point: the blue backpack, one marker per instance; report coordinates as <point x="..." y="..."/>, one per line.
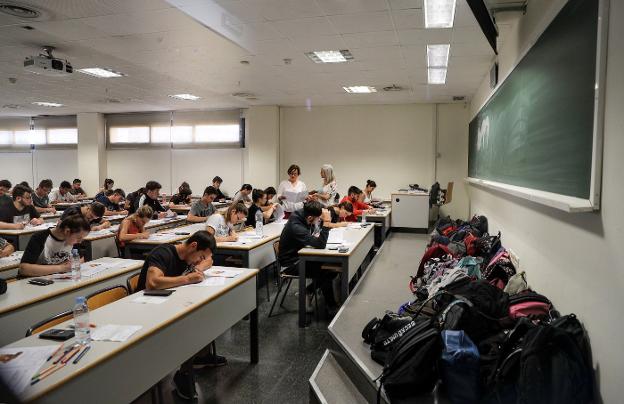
<point x="459" y="367"/>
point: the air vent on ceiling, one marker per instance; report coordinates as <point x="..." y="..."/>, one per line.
<point x="393" y="87"/>
<point x="11" y="106"/>
<point x="243" y="95"/>
<point x="459" y="98"/>
<point x="19" y="11"/>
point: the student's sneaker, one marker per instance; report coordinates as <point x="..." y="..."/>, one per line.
<point x="185" y="385"/>
<point x="209" y="360"/>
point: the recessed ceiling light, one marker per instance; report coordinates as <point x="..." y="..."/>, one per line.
<point x="47" y="104"/>
<point x="188" y="97"/>
<point x="439" y="13"/>
<point x="360" y="89"/>
<point x="101" y="72"/>
<point x="436" y="75"/>
<point x="332" y="56"/>
<point x="437" y="55"/>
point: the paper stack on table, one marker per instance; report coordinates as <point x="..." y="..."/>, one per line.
<point x="336" y="236"/>
<point x="224" y="272"/>
<point x="114" y="332"/>
<point x="210" y="281"/>
<point x="14" y="258"/>
<point x="19" y="365"/>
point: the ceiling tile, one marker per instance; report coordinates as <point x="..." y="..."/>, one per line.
<point x="364" y="22"/>
<point x="425" y="36"/>
<point x="275" y="10"/>
<point x="409" y="19"/>
<point x="305" y="26"/>
<point x="318" y="43"/>
<point x="367" y="39"/>
<point x="405" y="4"/>
<point x="333" y="7"/>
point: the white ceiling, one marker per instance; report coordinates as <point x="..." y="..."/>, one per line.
<point x="164" y="51"/>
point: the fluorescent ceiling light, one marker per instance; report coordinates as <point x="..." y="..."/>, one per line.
<point x="437" y="55"/>
<point x="188" y="97"/>
<point x="360" y="89"/>
<point x="47" y="104"/>
<point x="439" y="13"/>
<point x="436" y="75"/>
<point x="332" y="56"/>
<point x="101" y="72"/>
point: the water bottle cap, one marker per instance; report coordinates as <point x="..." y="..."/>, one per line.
<point x="80" y="299"/>
<point x="74" y="251"/>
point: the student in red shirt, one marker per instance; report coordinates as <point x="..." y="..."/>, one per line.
<point x="355" y="197"/>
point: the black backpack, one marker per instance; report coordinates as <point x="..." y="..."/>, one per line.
<point x="3" y="286"/>
<point x="411" y="366"/>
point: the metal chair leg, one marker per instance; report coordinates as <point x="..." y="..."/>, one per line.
<point x="266" y="273"/>
<point x="286" y="292"/>
<point x="279" y="289"/>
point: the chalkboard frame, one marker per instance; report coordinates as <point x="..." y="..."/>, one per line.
<point x="554" y="200"/>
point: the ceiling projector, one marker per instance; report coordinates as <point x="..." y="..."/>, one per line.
<point x="46" y="64"/>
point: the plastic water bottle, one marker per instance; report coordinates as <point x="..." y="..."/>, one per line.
<point x="363" y="216"/>
<point x="81" y="321"/>
<point x="75" y="265"/>
<point x="259" y="223"/>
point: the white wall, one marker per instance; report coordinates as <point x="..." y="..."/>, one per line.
<point x="391" y="144"/>
<point x="262" y="146"/>
<point x="56" y="164"/>
<point x="91" y="151"/>
<point x="575" y="259"/>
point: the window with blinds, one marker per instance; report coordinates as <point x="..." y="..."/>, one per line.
<point x="24" y="132"/>
<point x="178" y="129"/>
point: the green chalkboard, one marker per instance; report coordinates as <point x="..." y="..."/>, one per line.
<point x="536" y="130"/>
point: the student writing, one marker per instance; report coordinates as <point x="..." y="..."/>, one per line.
<point x="111" y="201"/>
<point x="92" y="213"/>
<point x="41" y="199"/>
<point x="77" y="190"/>
<point x="150" y="198"/>
<point x="221" y="226"/>
<point x="62" y="194"/>
<point x="244" y="194"/>
<point x="203" y="208"/>
<point x="355" y="197"/>
<point x="133" y="226"/>
<point x="20" y="212"/>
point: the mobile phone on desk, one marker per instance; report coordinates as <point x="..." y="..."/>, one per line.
<point x="57" y="334"/>
<point x="158" y="292"/>
<point x="182" y="233"/>
<point x="41" y="282"/>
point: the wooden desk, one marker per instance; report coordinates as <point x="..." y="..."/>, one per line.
<point x="383" y="218"/>
<point x="24" y="304"/>
<point x="50" y="217"/>
<point x="181" y="208"/>
<point x="101" y="243"/>
<point x="255" y="253"/>
<point x="359" y="241"/>
<point x="20" y="238"/>
<point x="167" y="236"/>
<point x="10" y="265"/>
<point x="65" y="205"/>
<point x="114" y="219"/>
<point x="171" y="333"/>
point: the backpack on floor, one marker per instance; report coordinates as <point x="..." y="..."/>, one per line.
<point x="459" y="367"/>
<point x="529" y="304"/>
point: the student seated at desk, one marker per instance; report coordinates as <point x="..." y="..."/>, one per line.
<point x="202" y="209"/>
<point x="5" y="197"/>
<point x="368" y="191"/>
<point x="18" y="213"/>
<point x="259" y="201"/>
<point x="221" y="225"/>
<point x="62" y="194"/>
<point x="216" y="183"/>
<point x="49" y="251"/>
<point x="243" y="195"/>
<point x="25" y="184"/>
<point x="183" y="197"/>
<point x="133" y="226"/>
<point x="111" y="201"/>
<point x="355" y="197"/>
<point x="299" y="233"/>
<point x="77" y="190"/>
<point x="108" y="186"/>
<point x="170" y="266"/>
<point x="41" y="200"/>
<point x="339" y="214"/>
<point x="92" y="213"/>
<point x="6" y="248"/>
<point x="150" y="198"/>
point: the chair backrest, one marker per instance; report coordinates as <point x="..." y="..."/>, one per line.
<point x="132" y="282"/>
<point x="105" y="296"/>
<point x="449" y="193"/>
<point x="50" y="322"/>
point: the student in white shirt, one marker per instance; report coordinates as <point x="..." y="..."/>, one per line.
<point x="221" y="225"/>
<point x="62" y="194"/>
<point x="244" y="195"/>
<point x="293" y="186"/>
<point x="368" y="191"/>
<point x="327" y="193"/>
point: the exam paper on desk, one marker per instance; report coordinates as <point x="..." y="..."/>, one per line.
<point x="224" y="272"/>
<point x="19" y="365"/>
<point x="210" y="281"/>
<point x="150" y="299"/>
<point x="114" y="332"/>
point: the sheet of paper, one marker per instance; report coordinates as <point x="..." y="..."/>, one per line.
<point x="278" y="213"/>
<point x="150" y="299"/>
<point x="114" y="332"/>
<point x="19" y="365"/>
<point x="295" y="197"/>
<point x="336" y="236"/>
<point x="224" y="272"/>
<point x="93" y="268"/>
<point x="354" y="226"/>
<point x="43" y="226"/>
<point x="211" y="281"/>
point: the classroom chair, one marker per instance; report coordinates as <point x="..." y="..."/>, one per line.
<point x="50" y="322"/>
<point x="132" y="283"/>
<point x="284" y="277"/>
<point x="105" y="296"/>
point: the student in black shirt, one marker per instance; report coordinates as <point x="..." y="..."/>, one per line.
<point x="170" y="266"/>
<point x="216" y="182"/>
<point x="183" y="197"/>
<point x="259" y="201"/>
<point x="339" y="213"/>
<point x="49" y="251"/>
<point x="150" y="197"/>
<point x="20" y="211"/>
<point x="92" y="213"/>
<point x="77" y="190"/>
<point x="299" y="233"/>
<point x="111" y="201"/>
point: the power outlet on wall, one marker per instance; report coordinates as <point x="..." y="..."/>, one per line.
<point x="515" y="260"/>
